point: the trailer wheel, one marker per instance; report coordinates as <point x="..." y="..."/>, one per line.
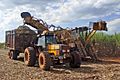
<point x="13" y="54"/>
<point x="29" y="56"/>
<point x="44" y="61"/>
<point x="75" y="61"/>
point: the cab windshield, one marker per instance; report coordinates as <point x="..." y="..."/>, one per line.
<point x="51" y="39"/>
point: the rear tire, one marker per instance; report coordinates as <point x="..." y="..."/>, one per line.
<point x="29" y="56"/>
<point x="13" y="54"/>
<point x="44" y="61"/>
<point x="75" y="61"/>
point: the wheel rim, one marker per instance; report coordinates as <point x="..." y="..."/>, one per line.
<point x="26" y="57"/>
<point x="10" y="54"/>
<point x="41" y="60"/>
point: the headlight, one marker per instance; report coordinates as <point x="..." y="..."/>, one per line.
<point x="68" y="50"/>
<point x="63" y="50"/>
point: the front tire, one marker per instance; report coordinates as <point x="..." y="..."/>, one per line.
<point x="29" y="56"/>
<point x="44" y="61"/>
<point x="75" y="61"/>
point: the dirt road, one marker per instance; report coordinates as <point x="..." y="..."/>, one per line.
<point x="16" y="70"/>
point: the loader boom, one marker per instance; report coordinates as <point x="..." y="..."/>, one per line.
<point x="101" y="25"/>
<point x="35" y="23"/>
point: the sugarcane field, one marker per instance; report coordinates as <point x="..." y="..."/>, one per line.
<point x="60" y="40"/>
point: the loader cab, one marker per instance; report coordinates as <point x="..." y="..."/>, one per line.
<point x="45" y="40"/>
<point x="49" y="43"/>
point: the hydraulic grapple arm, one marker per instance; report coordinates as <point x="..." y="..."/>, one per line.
<point x="35" y="23"/>
<point x="101" y="25"/>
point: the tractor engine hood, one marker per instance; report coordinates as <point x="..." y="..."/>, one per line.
<point x="58" y="46"/>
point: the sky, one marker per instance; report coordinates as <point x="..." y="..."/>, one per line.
<point x="64" y="13"/>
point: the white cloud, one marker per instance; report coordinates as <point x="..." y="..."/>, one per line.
<point x="81" y="9"/>
<point x="57" y="11"/>
<point x="114" y="26"/>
